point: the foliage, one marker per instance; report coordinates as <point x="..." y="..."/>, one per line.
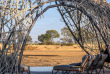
<point x="67" y="44"/>
<point x="67" y="36"/>
<point x="48" y="37"/>
<point x="86" y="34"/>
<point x="53" y="34"/>
<point x="44" y="38"/>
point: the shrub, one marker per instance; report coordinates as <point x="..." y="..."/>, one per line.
<point x="67" y="44"/>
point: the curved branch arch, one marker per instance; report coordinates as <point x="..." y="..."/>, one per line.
<point x="21" y="15"/>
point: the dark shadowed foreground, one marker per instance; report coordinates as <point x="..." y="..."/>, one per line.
<point x="47" y="70"/>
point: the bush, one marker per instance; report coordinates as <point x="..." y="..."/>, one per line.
<point x="67" y="44"/>
<point x="57" y="43"/>
<point x="50" y="43"/>
<point x="47" y="43"/>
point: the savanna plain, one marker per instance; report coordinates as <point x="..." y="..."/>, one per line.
<point x="50" y="55"/>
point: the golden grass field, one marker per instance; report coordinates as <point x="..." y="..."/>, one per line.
<point x="50" y="55"/>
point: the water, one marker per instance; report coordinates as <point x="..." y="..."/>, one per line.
<point x="41" y="69"/>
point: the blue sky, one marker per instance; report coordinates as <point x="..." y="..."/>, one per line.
<point x="108" y="1"/>
<point x="51" y="20"/>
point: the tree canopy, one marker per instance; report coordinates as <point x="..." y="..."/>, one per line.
<point x="53" y="34"/>
<point x="49" y="36"/>
<point x="67" y="36"/>
<point x="44" y="38"/>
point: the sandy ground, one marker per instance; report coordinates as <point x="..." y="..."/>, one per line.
<point x="50" y="55"/>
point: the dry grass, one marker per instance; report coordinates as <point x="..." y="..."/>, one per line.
<point x="50" y="55"/>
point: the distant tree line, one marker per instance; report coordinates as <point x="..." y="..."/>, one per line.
<point x="50" y="35"/>
<point x="66" y="38"/>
